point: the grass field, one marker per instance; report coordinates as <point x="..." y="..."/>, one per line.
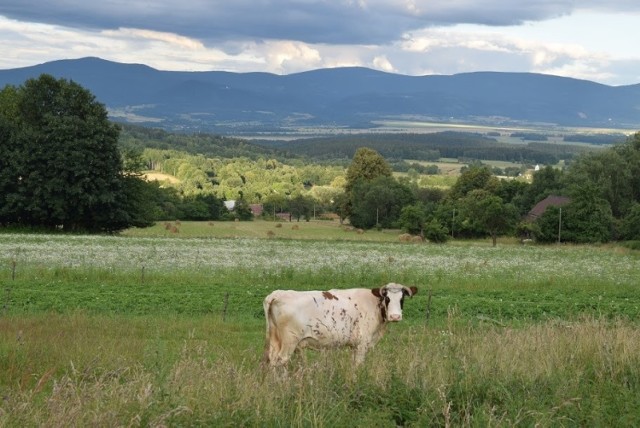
<point x="154" y="328"/>
<point x="314" y="229"/>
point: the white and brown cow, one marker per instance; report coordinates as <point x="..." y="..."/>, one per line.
<point x="328" y="319"/>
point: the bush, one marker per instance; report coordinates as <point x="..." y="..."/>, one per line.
<point x="632" y="245"/>
<point x="435" y="232"/>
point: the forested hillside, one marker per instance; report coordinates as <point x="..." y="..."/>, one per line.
<point x="429" y="147"/>
<point x="195" y="143"/>
<point x="234" y="103"/>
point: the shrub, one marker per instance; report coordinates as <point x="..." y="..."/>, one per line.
<point x="435" y="232"/>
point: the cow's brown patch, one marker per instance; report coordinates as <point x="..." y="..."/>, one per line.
<point x="329" y="296"/>
<point x="383" y="310"/>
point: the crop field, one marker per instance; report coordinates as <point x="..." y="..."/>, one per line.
<point x="153" y="328"/>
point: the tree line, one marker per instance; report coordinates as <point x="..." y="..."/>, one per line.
<point x="603" y="190"/>
<point x="428" y="147"/>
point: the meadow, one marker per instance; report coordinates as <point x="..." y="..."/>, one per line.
<point x="153" y="328"/>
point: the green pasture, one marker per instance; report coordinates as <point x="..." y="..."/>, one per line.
<point x="155" y="328"/>
<point x="281" y="229"/>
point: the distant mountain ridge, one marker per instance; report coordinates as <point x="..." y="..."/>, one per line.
<point x="353" y="97"/>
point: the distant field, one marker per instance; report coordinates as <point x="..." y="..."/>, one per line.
<point x="151" y="176"/>
<point x="446" y="166"/>
<point x="419" y="126"/>
<point x="429" y="126"/>
<point x="313" y="229"/>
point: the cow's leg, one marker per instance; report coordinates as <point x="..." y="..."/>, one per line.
<point x="287" y="348"/>
<point x="359" y="352"/>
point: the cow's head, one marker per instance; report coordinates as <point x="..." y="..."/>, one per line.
<point x="392" y="299"/>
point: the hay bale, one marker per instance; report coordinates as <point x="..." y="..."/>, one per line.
<point x="405" y="237"/>
<point x="295" y="227"/>
<point x="279" y="225"/>
<point x="270" y="234"/>
<point x="359" y="231"/>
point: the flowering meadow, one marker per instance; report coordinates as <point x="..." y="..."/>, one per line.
<point x="505" y="281"/>
<point x="528" y="264"/>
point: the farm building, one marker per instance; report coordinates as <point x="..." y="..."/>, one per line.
<point x="256" y="209"/>
<point x="541" y="207"/>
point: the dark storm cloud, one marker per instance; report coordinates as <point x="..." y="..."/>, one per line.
<point x="311" y="21"/>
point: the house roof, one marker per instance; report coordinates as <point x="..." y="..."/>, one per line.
<point x="541" y="207"/>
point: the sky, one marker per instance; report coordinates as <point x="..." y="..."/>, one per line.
<point x="585" y="39"/>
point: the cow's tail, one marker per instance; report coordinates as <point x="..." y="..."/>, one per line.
<point x="272" y="338"/>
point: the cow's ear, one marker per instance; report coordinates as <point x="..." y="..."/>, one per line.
<point x="409" y="291"/>
<point x="376" y="292"/>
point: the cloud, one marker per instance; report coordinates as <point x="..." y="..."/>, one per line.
<point x="483" y="44"/>
<point x="286" y="36"/>
<point x="308" y="21"/>
<point x="155" y="36"/>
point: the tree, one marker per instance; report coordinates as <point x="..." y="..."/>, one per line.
<point x="378" y="202"/>
<point x="546" y="181"/>
<point x="64" y="167"/>
<point x="587" y="218"/>
<point x="630" y="225"/>
<point x="412" y="219"/>
<point x="610" y="173"/>
<point x="550" y="225"/>
<point x="474" y="178"/>
<point x="486" y="212"/>
<point x="341" y="205"/>
<point x="436" y="232"/>
<point x="367" y="164"/>
<point x="301" y="206"/>
<point x="242" y="210"/>
<point x="363" y="205"/>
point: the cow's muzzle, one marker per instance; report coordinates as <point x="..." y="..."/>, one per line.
<point x="395" y="317"/>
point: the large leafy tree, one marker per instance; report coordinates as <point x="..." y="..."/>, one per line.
<point x="301" y="206"/>
<point x="586" y="219"/>
<point x="367" y="164"/>
<point x="487" y="213"/>
<point x="365" y="201"/>
<point x="60" y="160"/>
<point x="379" y="202"/>
<point x="474" y="178"/>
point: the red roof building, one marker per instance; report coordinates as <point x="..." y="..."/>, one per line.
<point x="541" y="207"/>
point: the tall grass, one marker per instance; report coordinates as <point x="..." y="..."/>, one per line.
<point x="79" y="370"/>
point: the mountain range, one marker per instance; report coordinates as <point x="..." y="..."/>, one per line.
<point x="351" y="97"/>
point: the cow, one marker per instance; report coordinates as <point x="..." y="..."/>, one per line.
<point x="354" y="318"/>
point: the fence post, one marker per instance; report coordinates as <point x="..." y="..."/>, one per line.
<point x="428" y="310"/>
<point x="224" y="309"/>
<point x="5" y="307"/>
